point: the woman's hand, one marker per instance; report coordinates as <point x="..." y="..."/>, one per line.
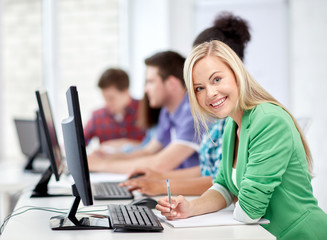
<point x="179" y="208"/>
<point x="146" y="185"/>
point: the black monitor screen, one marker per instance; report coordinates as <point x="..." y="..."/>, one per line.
<point x="75" y="147"/>
<point x="50" y="135"/>
<point x="31" y="144"/>
<point x="27" y="135"/>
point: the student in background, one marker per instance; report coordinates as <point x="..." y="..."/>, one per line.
<point x="119" y="116"/>
<point x="175" y="145"/>
<point x="234" y="31"/>
<point x="147" y="118"/>
<point x="266" y="163"/>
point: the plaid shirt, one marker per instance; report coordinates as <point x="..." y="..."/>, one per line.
<point x="211" y="150"/>
<point x="104" y="126"/>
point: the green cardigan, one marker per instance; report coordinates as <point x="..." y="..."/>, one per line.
<point x="272" y="174"/>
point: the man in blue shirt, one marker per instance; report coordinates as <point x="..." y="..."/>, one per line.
<point x="175" y="145"/>
<point x="177" y="128"/>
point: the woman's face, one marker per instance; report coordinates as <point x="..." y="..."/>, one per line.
<point x="215" y="87"/>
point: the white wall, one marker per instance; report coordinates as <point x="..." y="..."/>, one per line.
<point x="148" y="33"/>
<point x="1" y="87"/>
<point x="181" y="25"/>
<point x="21" y="44"/>
<point x="308" y="65"/>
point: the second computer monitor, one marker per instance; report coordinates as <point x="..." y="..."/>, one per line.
<point x="49" y="139"/>
<point x="50" y="135"/>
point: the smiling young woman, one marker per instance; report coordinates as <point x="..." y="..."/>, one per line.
<point x="266" y="163"/>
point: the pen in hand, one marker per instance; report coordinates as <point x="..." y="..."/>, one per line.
<point x="169" y="194"/>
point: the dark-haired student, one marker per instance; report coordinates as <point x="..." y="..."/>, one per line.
<point x="118" y="118"/>
<point x="147" y="119"/>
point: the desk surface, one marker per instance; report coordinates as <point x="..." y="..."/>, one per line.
<point x="13" y="178"/>
<point x="35" y="223"/>
<point x="12" y="181"/>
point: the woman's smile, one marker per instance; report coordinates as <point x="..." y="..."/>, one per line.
<point x="219" y="103"/>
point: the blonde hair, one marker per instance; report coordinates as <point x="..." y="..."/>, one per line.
<point x="251" y="93"/>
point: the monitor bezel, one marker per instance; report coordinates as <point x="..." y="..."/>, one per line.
<point x="56" y="166"/>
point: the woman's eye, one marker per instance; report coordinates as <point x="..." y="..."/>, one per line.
<point x="198" y="89"/>
<point x="215" y="80"/>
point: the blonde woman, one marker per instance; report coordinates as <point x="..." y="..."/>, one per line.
<point x="266" y="162"/>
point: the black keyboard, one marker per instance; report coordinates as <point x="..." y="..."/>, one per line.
<point x="131" y="217"/>
<point x="110" y="191"/>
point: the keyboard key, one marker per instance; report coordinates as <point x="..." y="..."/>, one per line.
<point x="145" y="218"/>
<point x="126" y="216"/>
<point x="139" y="218"/>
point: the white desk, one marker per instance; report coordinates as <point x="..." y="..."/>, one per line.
<point x="12" y="181"/>
<point x="35" y="225"/>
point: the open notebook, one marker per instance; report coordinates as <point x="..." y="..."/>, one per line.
<point x="220" y="218"/>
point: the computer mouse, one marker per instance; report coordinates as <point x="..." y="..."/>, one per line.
<point x="149" y="202"/>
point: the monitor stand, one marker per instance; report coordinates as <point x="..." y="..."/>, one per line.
<point x="80" y="222"/>
<point x="29" y="166"/>
<point x="41" y="189"/>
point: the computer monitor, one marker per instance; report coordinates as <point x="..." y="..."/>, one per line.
<point x="31" y="145"/>
<point x="48" y="136"/>
<point x="77" y="165"/>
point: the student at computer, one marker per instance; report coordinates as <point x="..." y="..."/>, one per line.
<point x="234" y="31"/>
<point x="175" y="145"/>
<point x="266" y="163"/>
<point x="118" y="119"/>
<point x="147" y="118"/>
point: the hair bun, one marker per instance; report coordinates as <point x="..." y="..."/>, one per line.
<point x="233" y="27"/>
